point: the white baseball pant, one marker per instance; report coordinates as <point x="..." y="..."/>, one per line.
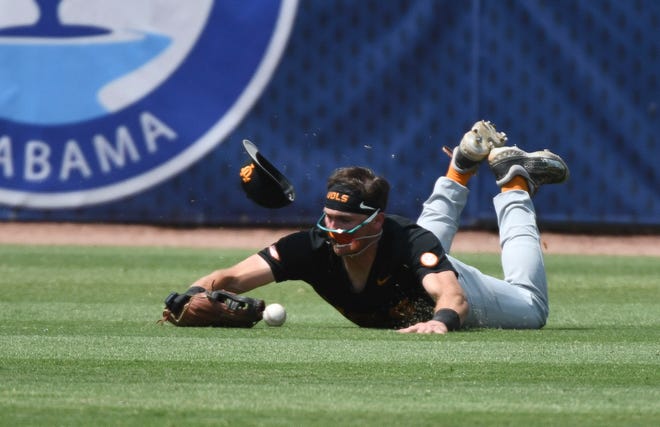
<point x="520" y="301"/>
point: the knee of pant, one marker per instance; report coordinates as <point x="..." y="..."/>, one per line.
<point x="535" y="316"/>
<point x="540" y="320"/>
<point x="540" y="324"/>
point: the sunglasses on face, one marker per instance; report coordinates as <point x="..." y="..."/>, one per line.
<point x="339" y="231"/>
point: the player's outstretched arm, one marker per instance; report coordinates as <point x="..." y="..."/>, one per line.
<point x="248" y="274"/>
<point x="451" y="306"/>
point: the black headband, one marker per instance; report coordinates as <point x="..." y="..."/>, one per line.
<point x="343" y="199"/>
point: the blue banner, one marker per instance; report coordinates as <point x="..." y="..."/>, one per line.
<point x="134" y="111"/>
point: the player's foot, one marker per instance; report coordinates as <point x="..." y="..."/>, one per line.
<point x="475" y="146"/>
<point x="538" y="168"/>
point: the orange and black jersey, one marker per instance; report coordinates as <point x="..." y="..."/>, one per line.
<point x="393" y="296"/>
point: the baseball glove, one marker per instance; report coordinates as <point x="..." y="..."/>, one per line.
<point x="199" y="307"/>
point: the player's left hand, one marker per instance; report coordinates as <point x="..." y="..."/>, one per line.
<point x="430" y="327"/>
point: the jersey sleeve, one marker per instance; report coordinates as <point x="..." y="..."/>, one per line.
<point x="427" y="254"/>
<point x="296" y="253"/>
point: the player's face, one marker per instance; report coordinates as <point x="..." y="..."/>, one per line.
<point x="348" y="231"/>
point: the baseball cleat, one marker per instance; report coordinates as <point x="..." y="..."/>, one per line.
<point x="476" y="145"/>
<point x="538" y="168"/>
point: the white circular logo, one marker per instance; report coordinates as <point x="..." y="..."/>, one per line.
<point x="105" y="99"/>
<point x="429" y="259"/>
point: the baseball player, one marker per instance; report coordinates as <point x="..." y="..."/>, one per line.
<point x="383" y="271"/>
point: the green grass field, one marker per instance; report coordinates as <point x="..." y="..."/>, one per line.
<point x="80" y="346"/>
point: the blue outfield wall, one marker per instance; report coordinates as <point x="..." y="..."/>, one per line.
<point x="386" y="84"/>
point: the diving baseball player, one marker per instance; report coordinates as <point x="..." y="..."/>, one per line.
<point x="383" y="271"/>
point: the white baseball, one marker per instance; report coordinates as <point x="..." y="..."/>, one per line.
<point x="274" y="315"/>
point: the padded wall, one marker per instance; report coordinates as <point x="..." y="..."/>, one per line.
<point x="387" y="83"/>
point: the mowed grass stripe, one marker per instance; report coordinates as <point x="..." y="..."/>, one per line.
<point x="327" y="350"/>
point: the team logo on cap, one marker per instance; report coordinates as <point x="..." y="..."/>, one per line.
<point x="246" y="172"/>
<point x="102" y="99"/>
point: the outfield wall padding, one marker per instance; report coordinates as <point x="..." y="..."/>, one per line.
<point x="387" y="83"/>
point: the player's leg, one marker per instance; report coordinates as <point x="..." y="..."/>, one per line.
<point x="442" y="210"/>
<point x="520" y="174"/>
<point x="521" y="299"/>
<point x="495" y="303"/>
